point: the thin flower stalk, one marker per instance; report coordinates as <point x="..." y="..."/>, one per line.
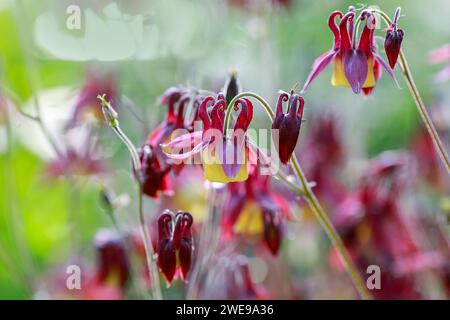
<point x="111" y="117"/>
<point x="314" y="203"/>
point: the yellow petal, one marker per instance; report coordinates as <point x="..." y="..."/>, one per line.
<point x="250" y="221"/>
<point x="338" y="78"/>
<point x="213" y="170"/>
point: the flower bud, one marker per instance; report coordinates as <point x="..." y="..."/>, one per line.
<point x="175" y="244"/>
<point x="392" y="44"/>
<point x="288" y="124"/>
<point x="232" y="87"/>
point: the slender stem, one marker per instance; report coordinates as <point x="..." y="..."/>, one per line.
<point x="331" y="232"/>
<point x="314" y="204"/>
<point x="153" y="270"/>
<point x="418" y="100"/>
<point x="111" y="118"/>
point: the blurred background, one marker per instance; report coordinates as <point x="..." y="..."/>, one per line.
<point x="60" y="54"/>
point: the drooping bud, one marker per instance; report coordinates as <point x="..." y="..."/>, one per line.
<point x="288" y="124"/>
<point x="113" y="266"/>
<point x="154" y="174"/>
<point x="392" y="44"/>
<point x="232" y="87"/>
<point x="175" y="244"/>
<point x="393" y="41"/>
<point x="167" y="258"/>
<point x="272" y="232"/>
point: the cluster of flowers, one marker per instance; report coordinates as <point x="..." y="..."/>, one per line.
<point x="254" y="208"/>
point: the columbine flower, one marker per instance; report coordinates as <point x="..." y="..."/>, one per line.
<point x="355" y="65"/>
<point x="113" y="266"/>
<point x="177" y="100"/>
<point x="78" y="160"/>
<point x="255" y="210"/>
<point x="86" y="105"/>
<point x="224" y="159"/>
<point x="175" y="244"/>
<point x="154" y="174"/>
<point x="374" y="229"/>
<point x="393" y="41"/>
<point x="288" y="124"/>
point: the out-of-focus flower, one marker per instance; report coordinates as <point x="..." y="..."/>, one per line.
<point x="375" y="232"/>
<point x="86" y="105"/>
<point x="254" y="4"/>
<point x="78" y="161"/>
<point x="229" y="278"/>
<point x="154" y="175"/>
<point x="441" y="55"/>
<point x="224" y="159"/>
<point x="322" y="158"/>
<point x="355" y="67"/>
<point x="112" y="262"/>
<point x="255" y="210"/>
<point x="423" y="150"/>
<point x="288" y="124"/>
<point x="175" y="244"/>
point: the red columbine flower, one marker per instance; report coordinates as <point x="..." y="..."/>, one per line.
<point x="82" y="160"/>
<point x="355" y="65"/>
<point x="175" y="244"/>
<point x="393" y="41"/>
<point x="224" y="159"/>
<point x="154" y="175"/>
<point x="255" y="210"/>
<point x="86" y="104"/>
<point x="288" y="124"/>
<point x="113" y="267"/>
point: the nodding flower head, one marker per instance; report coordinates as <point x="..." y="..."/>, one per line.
<point x="177" y="100"/>
<point x="154" y="174"/>
<point x="288" y="124"/>
<point x="355" y="64"/>
<point x="255" y="210"/>
<point x="224" y="158"/>
<point x="113" y="265"/>
<point x="175" y="244"/>
<point x="393" y="41"/>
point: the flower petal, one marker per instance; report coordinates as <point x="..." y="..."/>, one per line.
<point x="318" y="66"/>
<point x="355" y="69"/>
<point x="181" y="156"/>
<point x="185" y="140"/>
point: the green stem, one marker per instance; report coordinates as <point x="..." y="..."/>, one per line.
<point x="111" y="118"/>
<point x="320" y="214"/>
<point x="418" y="101"/>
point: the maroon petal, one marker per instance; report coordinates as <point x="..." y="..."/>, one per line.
<point x="167" y="259"/>
<point x="355" y="69"/>
<point x="272" y="231"/>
